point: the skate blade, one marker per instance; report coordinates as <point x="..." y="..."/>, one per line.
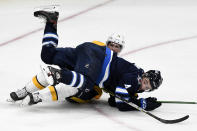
<point x="49" y="8"/>
<point x="9" y="100"/>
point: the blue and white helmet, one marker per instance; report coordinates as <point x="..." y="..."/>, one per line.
<point x="116" y="38"/>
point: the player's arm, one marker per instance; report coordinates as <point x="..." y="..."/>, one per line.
<point x="127" y="90"/>
<point x="123" y="93"/>
<point x="148" y="104"/>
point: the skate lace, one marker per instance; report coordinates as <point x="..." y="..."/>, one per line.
<point x="22" y="92"/>
<point x="36" y="97"/>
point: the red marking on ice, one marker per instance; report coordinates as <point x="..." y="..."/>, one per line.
<point x="124" y="54"/>
<point x="158" y="44"/>
<point x="62" y="20"/>
<point x="116" y="120"/>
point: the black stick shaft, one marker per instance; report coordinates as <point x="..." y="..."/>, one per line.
<point x="148" y="113"/>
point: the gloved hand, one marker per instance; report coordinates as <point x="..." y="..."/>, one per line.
<point x="111" y="101"/>
<point x="149" y="103"/>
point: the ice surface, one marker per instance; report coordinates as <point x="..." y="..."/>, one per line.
<point x="143" y="22"/>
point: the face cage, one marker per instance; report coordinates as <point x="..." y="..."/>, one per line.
<point x="110" y="42"/>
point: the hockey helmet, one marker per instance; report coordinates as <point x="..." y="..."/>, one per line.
<point x="116" y="38"/>
<point x="155" y="78"/>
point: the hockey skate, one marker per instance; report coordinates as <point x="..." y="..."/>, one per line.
<point x="18" y="95"/>
<point x="49" y="16"/>
<point x="31" y="99"/>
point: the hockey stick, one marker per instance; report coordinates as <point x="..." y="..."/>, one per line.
<point x="146" y="112"/>
<point x="178" y="102"/>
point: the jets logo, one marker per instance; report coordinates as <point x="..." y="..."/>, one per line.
<point x="87" y="66"/>
<point x="127" y="86"/>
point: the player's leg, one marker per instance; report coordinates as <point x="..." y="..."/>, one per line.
<point x="50" y="38"/>
<point x="55" y="76"/>
<point x="49" y="94"/>
<point x="38" y="82"/>
<point x="73" y="80"/>
<point x="50" y="54"/>
<point x="49" y="43"/>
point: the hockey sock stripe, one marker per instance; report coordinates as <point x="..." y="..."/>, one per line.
<point x="77" y="80"/>
<point x="81" y="81"/>
<point x="50" y="35"/>
<point x="49" y="42"/>
<point x="53" y="93"/>
<point x="37" y="83"/>
<point x="74" y="79"/>
<point x="50" y="38"/>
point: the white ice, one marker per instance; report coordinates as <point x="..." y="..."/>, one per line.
<point x="143" y="22"/>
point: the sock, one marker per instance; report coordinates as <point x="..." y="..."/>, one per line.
<point x="50" y="35"/>
<point x="72" y="78"/>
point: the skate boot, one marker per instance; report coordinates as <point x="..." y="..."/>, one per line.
<point x="49" y="16"/>
<point x="18" y="95"/>
<point x="31" y="99"/>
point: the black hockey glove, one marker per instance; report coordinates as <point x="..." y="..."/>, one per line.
<point x="124" y="106"/>
<point x="149" y="103"/>
<point x="111" y="101"/>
